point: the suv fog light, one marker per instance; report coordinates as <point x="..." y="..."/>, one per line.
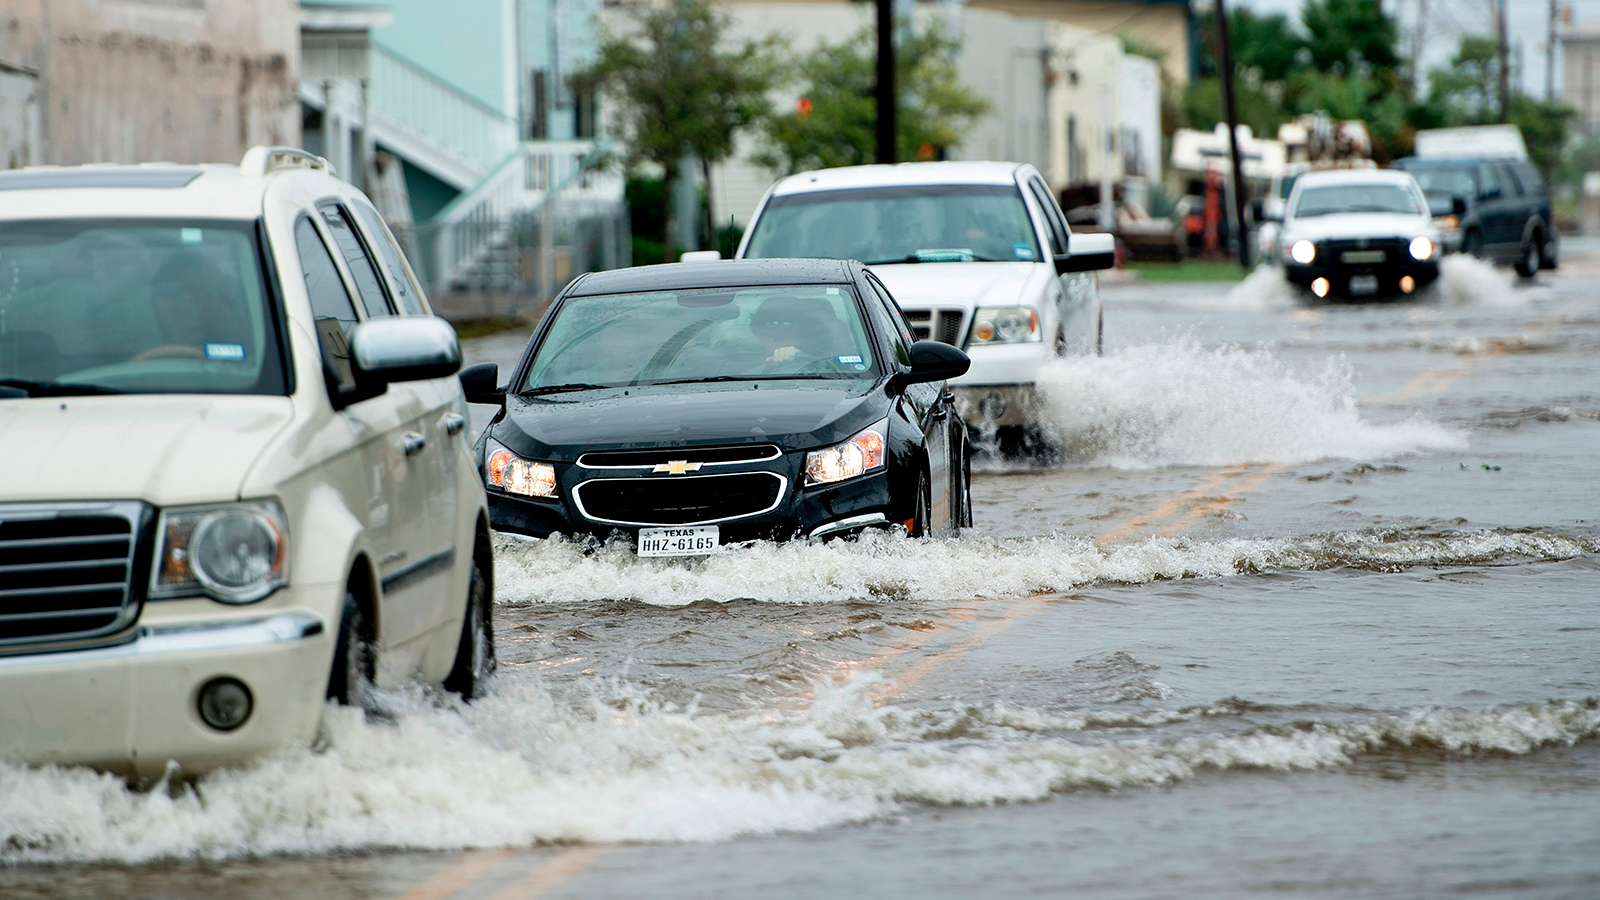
<point x="1320" y="287"/>
<point x="225" y="703"/>
<point x="992" y="406"/>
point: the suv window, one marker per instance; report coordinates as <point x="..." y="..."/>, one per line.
<point x="330" y="305"/>
<point x="1488" y="180"/>
<point x="1529" y="176"/>
<point x="406" y="294"/>
<point x="1508" y="175"/>
<point x="1054" y="224"/>
<point x="136" y="305"/>
<point x="362" y="270"/>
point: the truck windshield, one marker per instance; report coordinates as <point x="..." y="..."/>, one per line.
<point x="713" y="334"/>
<point x="1356" y="198"/>
<point x="135" y="306"/>
<point x="912" y="223"/>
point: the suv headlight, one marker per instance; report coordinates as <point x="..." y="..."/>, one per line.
<point x="514" y="475"/>
<point x="234" y="553"/>
<point x="1447" y="223"/>
<point x="1005" y="325"/>
<point x="861" y="454"/>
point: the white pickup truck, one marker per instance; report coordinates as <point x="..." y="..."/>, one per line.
<point x="977" y="254"/>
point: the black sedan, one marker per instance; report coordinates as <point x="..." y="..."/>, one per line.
<point x="693" y="405"/>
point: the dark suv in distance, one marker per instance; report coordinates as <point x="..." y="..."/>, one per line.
<point x="1495" y="209"/>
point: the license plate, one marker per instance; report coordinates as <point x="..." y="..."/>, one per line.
<point x="1362" y="256"/>
<point x="1363" y="284"/>
<point x="696" y="540"/>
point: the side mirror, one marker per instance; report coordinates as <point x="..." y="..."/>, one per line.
<point x="936" y="361"/>
<point x="480" y="384"/>
<point x="1087" y="253"/>
<point x="1458" y="206"/>
<point x="403" y="348"/>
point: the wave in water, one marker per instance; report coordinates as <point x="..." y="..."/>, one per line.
<point x="889" y="567"/>
<point x="522" y="768"/>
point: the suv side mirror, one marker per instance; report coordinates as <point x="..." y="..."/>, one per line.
<point x="935" y="361"/>
<point x="1087" y="253"/>
<point x="480" y="384"/>
<point x="403" y="348"/>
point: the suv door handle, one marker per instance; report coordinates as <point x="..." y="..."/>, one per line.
<point x="413" y="443"/>
<point x="453" y="424"/>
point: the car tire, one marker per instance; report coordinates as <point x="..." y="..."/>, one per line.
<point x="1527" y="264"/>
<point x="1100" y="335"/>
<point x="1472" y="243"/>
<point x="1549" y="254"/>
<point x="924" y="508"/>
<point x="350" y="679"/>
<point x="475" y="651"/>
<point x="966" y="487"/>
<point x="1061" y="343"/>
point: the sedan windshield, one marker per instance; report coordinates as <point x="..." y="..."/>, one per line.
<point x="1356" y="198"/>
<point x="914" y="223"/>
<point x="721" y="334"/>
<point x="134" y="306"/>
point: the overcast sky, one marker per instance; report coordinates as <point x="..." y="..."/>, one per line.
<point x="1449" y="19"/>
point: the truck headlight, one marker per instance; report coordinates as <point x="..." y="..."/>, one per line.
<point x="1303" y="252"/>
<point x="1421" y="248"/>
<point x="234" y="553"/>
<point x="861" y="454"/>
<point x="515" y="475"/>
<point x="1005" y="325"/>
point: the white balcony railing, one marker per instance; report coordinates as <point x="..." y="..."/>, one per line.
<point x="443" y="128"/>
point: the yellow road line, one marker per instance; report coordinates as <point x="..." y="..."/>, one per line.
<point x="567" y="865"/>
<point x="924" y="667"/>
<point x="452" y="879"/>
<point x="1207" y="505"/>
<point x="1135" y="523"/>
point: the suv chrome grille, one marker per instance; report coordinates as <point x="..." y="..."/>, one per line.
<point x="944" y="325"/>
<point x="68" y="572"/>
<point x="683" y="500"/>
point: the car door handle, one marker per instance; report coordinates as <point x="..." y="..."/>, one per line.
<point x="413" y="443"/>
<point x="453" y="424"/>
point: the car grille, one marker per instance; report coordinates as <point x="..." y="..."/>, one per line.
<point x="689" y="500"/>
<point x="69" y="572"/>
<point x="1365" y="253"/>
<point x="707" y="456"/>
<point x="943" y="325"/>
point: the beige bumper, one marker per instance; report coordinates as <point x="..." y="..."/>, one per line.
<point x="996" y="405"/>
<point x="131" y="707"/>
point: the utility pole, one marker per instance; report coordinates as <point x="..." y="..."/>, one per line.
<point x="1501" y="37"/>
<point x="1231" y="110"/>
<point x="1550" y="58"/>
<point x="885" y="90"/>
<point x="1419" y="38"/>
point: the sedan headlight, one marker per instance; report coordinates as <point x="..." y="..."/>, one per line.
<point x="1421" y="248"/>
<point x="861" y="454"/>
<point x="235" y="553"/>
<point x="1303" y="252"/>
<point x="513" y="474"/>
<point x="1005" y="325"/>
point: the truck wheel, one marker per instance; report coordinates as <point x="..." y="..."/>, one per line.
<point x="475" y="651"/>
<point x="1528" y="264"/>
<point x="351" y="678"/>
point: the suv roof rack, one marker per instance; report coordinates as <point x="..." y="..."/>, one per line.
<point x="259" y="161"/>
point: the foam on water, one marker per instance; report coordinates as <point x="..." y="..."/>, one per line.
<point x="521" y="767"/>
<point x="888" y="567"/>
<point x="1180" y="403"/>
<point x="1468" y="280"/>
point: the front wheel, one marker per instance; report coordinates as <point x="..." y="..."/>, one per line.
<point x="924" y="511"/>
<point x="475" y="652"/>
<point x="351" y="677"/>
<point x="1528" y="264"/>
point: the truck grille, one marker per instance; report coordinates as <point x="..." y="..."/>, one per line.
<point x="947" y="326"/>
<point x="689" y="500"/>
<point x="69" y="572"/>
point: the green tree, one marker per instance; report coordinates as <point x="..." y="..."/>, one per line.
<point x="679" y="90"/>
<point x="1468" y="89"/>
<point x="1267" y="44"/>
<point x="1351" y="35"/>
<point x="834" y="123"/>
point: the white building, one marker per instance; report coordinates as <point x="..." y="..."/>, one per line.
<point x="1580" y="75"/>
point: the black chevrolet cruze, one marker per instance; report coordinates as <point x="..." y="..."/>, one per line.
<point x="689" y="406"/>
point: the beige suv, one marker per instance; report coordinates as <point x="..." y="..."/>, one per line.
<point x="235" y="480"/>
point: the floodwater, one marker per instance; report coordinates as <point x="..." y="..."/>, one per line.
<point x="1307" y="607"/>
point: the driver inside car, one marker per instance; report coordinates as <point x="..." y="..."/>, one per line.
<point x="196" y="312"/>
<point x="794" y="331"/>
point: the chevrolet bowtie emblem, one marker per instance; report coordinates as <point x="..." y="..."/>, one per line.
<point x="677" y="467"/>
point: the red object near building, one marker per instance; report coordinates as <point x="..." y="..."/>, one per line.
<point x="1213" y="212"/>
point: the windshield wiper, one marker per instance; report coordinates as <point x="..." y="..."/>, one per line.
<point x="563" y="388"/>
<point x="53" y="388"/>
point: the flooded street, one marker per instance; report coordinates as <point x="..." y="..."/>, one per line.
<point x="1306" y="607"/>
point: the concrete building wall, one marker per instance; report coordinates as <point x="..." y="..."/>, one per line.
<point x="1580" y="76"/>
<point x="139" y="80"/>
<point x="1163" y="25"/>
